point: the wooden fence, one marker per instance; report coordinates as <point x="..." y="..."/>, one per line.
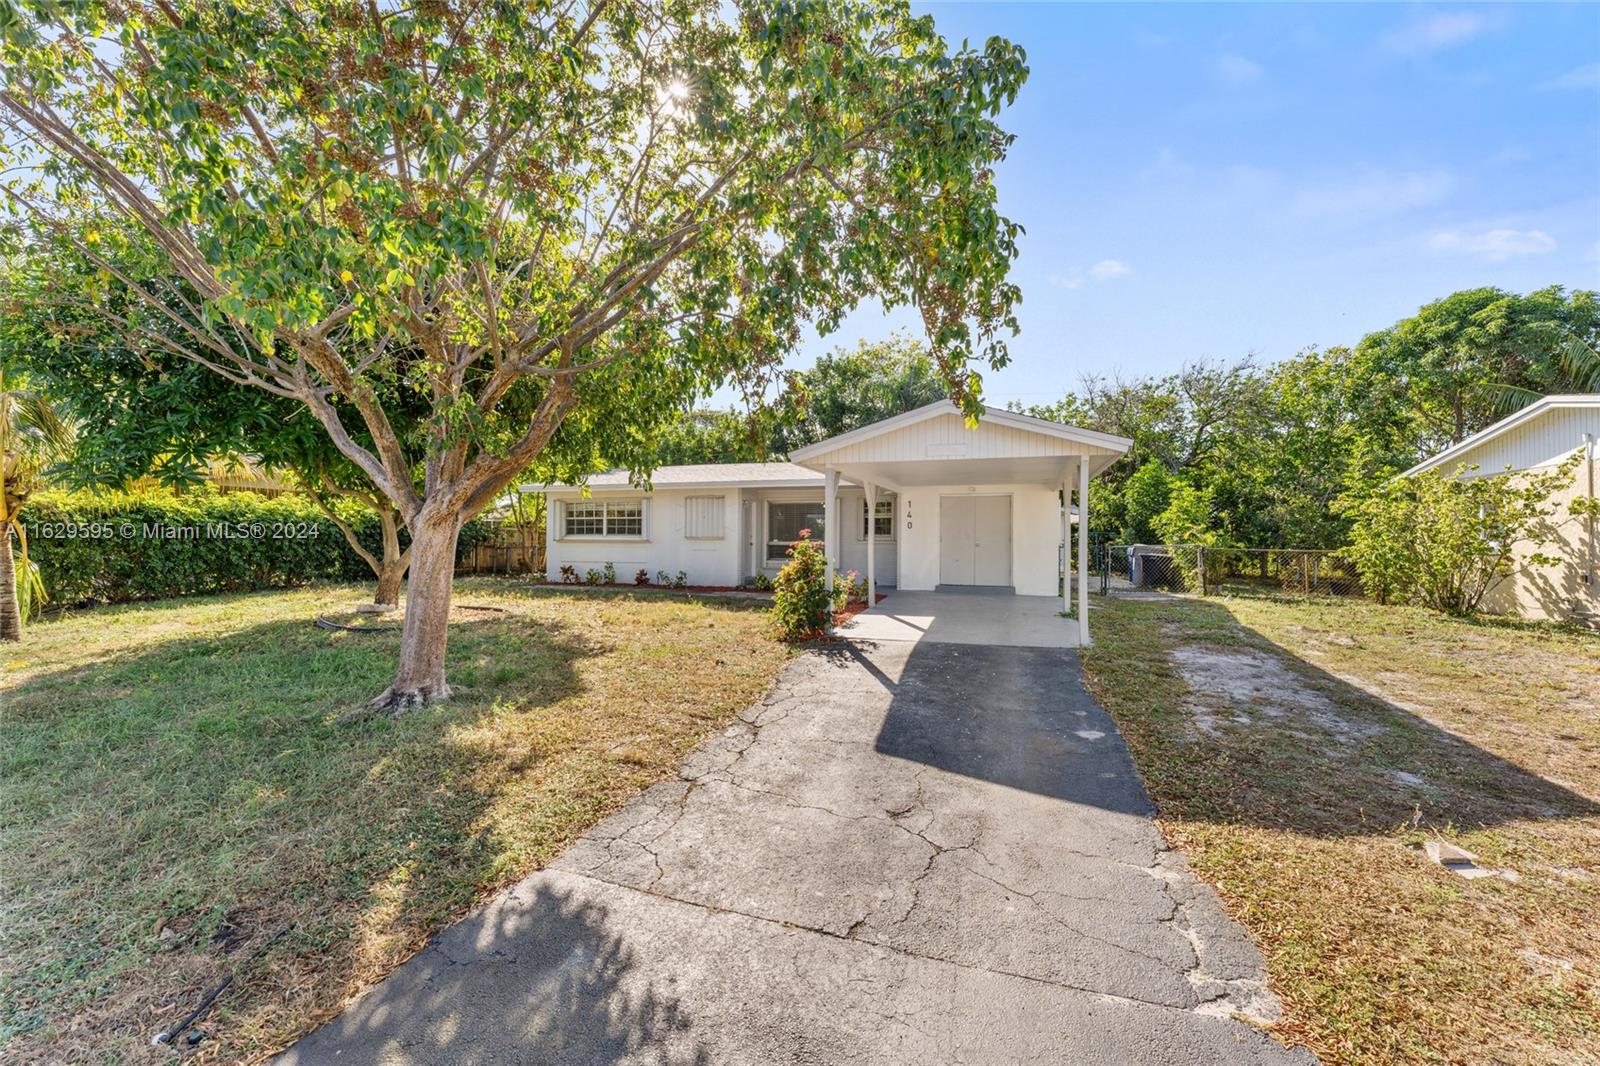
<point x="512" y="550"/>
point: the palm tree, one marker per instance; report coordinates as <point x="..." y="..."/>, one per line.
<point x="33" y="437"/>
<point x="1577" y="366"/>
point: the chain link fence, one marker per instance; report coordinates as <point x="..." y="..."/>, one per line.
<point x="1212" y="571"/>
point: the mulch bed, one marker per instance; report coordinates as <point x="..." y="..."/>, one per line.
<point x="621" y="586"/>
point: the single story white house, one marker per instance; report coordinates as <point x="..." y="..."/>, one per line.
<point x="1539" y="438"/>
<point x="920" y="501"/>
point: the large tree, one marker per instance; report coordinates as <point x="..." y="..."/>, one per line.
<point x="842" y="390"/>
<point x="555" y="222"/>
<point x="853" y="387"/>
<point x="163" y="416"/>
<point x="1451" y="366"/>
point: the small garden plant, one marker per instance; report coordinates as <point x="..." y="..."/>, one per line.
<point x="802" y="606"/>
<point x="569" y="575"/>
<point x="610" y="573"/>
<point x="642" y="577"/>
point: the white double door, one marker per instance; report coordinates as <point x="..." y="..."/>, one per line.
<point x="975" y="540"/>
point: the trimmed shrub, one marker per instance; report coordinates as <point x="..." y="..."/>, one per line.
<point x="121" y="546"/>
<point x="801" y="605"/>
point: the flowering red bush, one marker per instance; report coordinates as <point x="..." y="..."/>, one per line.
<point x="801" y="605"/>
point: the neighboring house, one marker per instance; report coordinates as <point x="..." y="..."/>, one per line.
<point x="953" y="506"/>
<point x="1540" y="437"/>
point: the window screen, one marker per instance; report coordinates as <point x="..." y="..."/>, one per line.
<point x="786" y="520"/>
<point x="604" y="518"/>
<point x="883" y="525"/>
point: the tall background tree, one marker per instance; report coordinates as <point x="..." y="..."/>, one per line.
<point x="843" y="390"/>
<point x="853" y="387"/>
<point x="556" y="223"/>
<point x="1443" y="371"/>
<point x="1283" y="454"/>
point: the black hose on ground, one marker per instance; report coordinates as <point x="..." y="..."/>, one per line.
<point x="324" y="622"/>
<point x="167" y="1036"/>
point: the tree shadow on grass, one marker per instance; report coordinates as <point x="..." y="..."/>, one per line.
<point x="1229" y="726"/>
<point x="173" y="806"/>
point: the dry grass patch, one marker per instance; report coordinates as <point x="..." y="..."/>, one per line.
<point x="1301" y="753"/>
<point x="175" y="786"/>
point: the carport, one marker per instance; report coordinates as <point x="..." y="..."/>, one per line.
<point x="984" y="507"/>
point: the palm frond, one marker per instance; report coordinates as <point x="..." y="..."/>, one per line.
<point x="1509" y="398"/>
<point x="1581" y="365"/>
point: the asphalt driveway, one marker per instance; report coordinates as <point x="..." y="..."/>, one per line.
<point x="908" y="853"/>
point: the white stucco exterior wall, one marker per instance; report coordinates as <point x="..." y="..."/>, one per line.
<point x="664" y="545"/>
<point x="1035" y="536"/>
<point x="910" y="559"/>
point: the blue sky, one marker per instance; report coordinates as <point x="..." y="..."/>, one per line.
<point x="1211" y="180"/>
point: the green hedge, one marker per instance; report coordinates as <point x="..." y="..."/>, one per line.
<point x="121" y="546"/>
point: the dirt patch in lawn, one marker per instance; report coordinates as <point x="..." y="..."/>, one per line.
<point x="1302" y="753"/>
<point x="1250" y="688"/>
<point x="177" y="787"/>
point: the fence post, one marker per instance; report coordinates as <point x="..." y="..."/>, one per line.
<point x="1200" y="566"/>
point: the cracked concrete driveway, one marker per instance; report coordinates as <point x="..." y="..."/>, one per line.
<point x="907" y="853"/>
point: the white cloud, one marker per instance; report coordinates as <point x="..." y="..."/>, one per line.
<point x="1169" y="166"/>
<point x="1493" y="245"/>
<point x="1235" y="69"/>
<point x="1585" y="77"/>
<point x="1435" y="32"/>
<point x="1077" y="277"/>
<point x="1374" y="192"/>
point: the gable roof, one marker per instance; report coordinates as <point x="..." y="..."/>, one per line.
<point x="1530" y="413"/>
<point x="940" y="408"/>
<point x="700" y="476"/>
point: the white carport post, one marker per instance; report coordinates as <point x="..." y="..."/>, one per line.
<point x="1066" y="547"/>
<point x="1083" y="550"/>
<point x="871" y="491"/>
<point x="830" y="522"/>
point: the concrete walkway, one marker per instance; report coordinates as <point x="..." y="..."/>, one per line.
<point x="985" y="617"/>
<point x="909" y="853"/>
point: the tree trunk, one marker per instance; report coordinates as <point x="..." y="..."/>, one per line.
<point x="420" y="679"/>
<point x="10" y="613"/>
<point x="390" y="577"/>
<point x="393" y="567"/>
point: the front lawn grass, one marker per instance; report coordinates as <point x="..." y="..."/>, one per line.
<point x="1301" y="752"/>
<point x="176" y="786"/>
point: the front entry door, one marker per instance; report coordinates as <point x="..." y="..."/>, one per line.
<point x="975" y="540"/>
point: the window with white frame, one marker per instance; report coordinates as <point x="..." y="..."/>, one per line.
<point x="882" y="523"/>
<point x="602" y="518"/>
<point x="784" y="523"/>
<point x="702" y="517"/>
